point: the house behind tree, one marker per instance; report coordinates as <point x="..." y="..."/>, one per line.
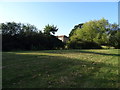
<point x="63" y="38"/>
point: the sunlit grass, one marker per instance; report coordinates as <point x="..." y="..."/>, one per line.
<point x="61" y="68"/>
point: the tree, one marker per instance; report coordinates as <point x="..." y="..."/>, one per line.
<point x="75" y="28"/>
<point x="18" y="36"/>
<point x="50" y="29"/>
<point x="15" y="35"/>
<point x="9" y="28"/>
<point x="114" y="36"/>
<point x="92" y="31"/>
<point x="12" y="28"/>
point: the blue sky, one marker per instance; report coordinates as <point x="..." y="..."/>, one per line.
<point x="65" y="15"/>
<point x="119" y="13"/>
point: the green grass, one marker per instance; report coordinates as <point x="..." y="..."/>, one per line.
<point x="61" y="69"/>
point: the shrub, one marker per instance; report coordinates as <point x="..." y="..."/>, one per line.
<point x="83" y="45"/>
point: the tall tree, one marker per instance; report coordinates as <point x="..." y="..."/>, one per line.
<point x="114" y="36"/>
<point x="93" y="31"/>
<point x="75" y="28"/>
<point x="50" y="29"/>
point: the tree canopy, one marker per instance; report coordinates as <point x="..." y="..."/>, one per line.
<point x="92" y="34"/>
<point x="50" y="29"/>
<point x="75" y="28"/>
<point x="94" y="31"/>
<point x="18" y="36"/>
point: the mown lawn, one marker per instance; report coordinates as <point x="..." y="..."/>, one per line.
<point x="61" y="69"/>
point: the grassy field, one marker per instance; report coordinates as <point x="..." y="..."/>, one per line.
<point x="61" y="69"/>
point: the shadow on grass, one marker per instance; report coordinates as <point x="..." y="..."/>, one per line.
<point x="79" y="51"/>
<point x="45" y="71"/>
<point x="100" y="53"/>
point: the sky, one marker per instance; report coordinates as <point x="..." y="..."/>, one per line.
<point x="119" y="12"/>
<point x="64" y="15"/>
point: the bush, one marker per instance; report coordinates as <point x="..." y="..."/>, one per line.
<point x="83" y="45"/>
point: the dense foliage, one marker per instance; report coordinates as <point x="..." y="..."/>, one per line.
<point x="18" y="36"/>
<point x="93" y="34"/>
<point x="89" y="35"/>
<point x="75" y="28"/>
<point x="50" y="29"/>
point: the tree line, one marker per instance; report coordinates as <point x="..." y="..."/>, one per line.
<point x="90" y="35"/>
<point x="18" y="36"/>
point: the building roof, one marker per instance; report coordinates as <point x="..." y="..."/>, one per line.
<point x="62" y="36"/>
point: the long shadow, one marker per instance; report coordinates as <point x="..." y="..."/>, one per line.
<point x="100" y="53"/>
<point x="42" y="71"/>
<point x="79" y="51"/>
